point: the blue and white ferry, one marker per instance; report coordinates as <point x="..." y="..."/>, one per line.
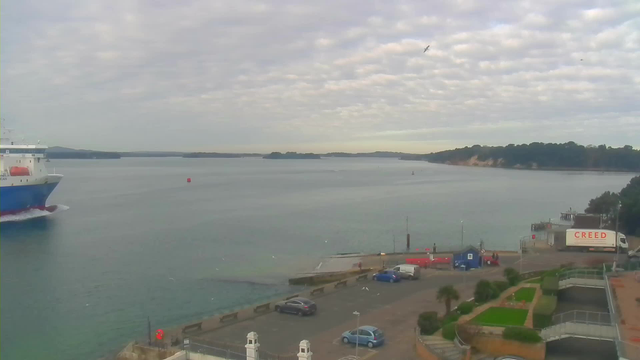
<point x="25" y="183"/>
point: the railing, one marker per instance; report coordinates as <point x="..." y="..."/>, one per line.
<point x="622" y="347"/>
<point x="583" y="317"/>
<point x="581" y="274"/>
<point x="577" y="329"/>
<point x="627" y="350"/>
<point x="458" y="340"/>
<point x="232" y="351"/>
<point x="224" y="353"/>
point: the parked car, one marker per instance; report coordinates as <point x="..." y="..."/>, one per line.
<point x="299" y="306"/>
<point x="408" y="271"/>
<point x="387" y="276"/>
<point x="364" y="335"/>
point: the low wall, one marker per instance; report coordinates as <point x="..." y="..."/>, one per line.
<point x="497" y="346"/>
<point x="140" y="352"/>
<point x="176" y="335"/>
<point x="320" y="279"/>
<point x="182" y="355"/>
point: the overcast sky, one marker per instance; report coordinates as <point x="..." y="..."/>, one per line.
<point x="320" y="75"/>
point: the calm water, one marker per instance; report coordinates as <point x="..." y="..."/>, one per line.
<point x="139" y="241"/>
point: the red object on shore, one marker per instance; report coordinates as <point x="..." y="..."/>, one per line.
<point x="159" y="334"/>
<point x="19" y="171"/>
<point x="491" y="261"/>
<point x="533" y="236"/>
<point x="426" y="262"/>
<point x="188" y="180"/>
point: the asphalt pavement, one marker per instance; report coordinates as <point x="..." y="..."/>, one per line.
<point x="394" y="308"/>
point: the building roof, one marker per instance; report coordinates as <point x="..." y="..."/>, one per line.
<point x="466" y="249"/>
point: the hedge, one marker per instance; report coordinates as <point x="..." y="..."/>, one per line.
<point x="521" y="334"/>
<point x="465" y="307"/>
<point x="428" y="322"/>
<point x="485" y="291"/>
<point x="543" y="311"/>
<point x="550" y="285"/>
<point x="450" y="318"/>
<point x="500" y="286"/>
<point x="449" y="331"/>
<point x="512" y="275"/>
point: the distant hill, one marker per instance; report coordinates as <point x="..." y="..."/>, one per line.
<point x="58" y="152"/>
<point x="152" y="154"/>
<point x="375" y="154"/>
<point x="567" y="156"/>
<point x="218" y="155"/>
<point x="291" y="155"/>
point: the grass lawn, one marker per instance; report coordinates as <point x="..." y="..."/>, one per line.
<point x="534" y="281"/>
<point x="525" y="294"/>
<point x="497" y="316"/>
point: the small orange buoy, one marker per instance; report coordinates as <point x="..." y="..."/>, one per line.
<point x="188" y="180"/>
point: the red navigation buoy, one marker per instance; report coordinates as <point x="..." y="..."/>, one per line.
<point x="159" y="334"/>
<point x="188" y="180"/>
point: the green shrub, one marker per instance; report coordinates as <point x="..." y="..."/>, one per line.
<point x="550" y="285"/>
<point x="521" y="334"/>
<point x="543" y="311"/>
<point x="552" y="272"/>
<point x="485" y="291"/>
<point x="450" y="318"/>
<point x="500" y="286"/>
<point x="512" y="275"/>
<point x="449" y="331"/>
<point x="465" y="307"/>
<point x="428" y="322"/>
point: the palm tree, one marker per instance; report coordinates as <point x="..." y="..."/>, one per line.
<point x="447" y="293"/>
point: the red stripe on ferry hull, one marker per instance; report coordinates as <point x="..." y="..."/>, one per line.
<point x="50" y="208"/>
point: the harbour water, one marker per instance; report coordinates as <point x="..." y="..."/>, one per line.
<point x="137" y="240"/>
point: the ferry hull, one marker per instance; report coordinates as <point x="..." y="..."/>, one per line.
<point x="16" y="199"/>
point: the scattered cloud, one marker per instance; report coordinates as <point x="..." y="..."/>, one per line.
<point x="332" y="75"/>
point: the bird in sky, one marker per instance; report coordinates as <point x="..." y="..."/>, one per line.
<point x="425" y="49"/>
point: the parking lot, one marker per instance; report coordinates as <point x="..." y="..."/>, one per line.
<point x="393" y="308"/>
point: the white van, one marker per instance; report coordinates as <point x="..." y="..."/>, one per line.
<point x="408" y="271"/>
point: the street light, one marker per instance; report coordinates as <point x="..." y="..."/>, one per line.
<point x="357" y="314"/>
<point x="617" y="216"/>
<point x="462" y="234"/>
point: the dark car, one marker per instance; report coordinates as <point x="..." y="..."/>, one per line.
<point x="299" y="306"/>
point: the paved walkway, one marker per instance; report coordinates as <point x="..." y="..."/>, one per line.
<point x="529" y="322"/>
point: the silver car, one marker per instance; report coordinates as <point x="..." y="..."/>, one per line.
<point x="299" y="306"/>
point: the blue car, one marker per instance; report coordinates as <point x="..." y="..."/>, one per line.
<point x="387" y="276"/>
<point x="364" y="335"/>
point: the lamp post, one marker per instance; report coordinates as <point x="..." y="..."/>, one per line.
<point x="461" y="234"/>
<point x="357" y="314"/>
<point x="617" y="244"/>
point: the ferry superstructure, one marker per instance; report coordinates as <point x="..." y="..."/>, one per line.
<point x="25" y="183"/>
